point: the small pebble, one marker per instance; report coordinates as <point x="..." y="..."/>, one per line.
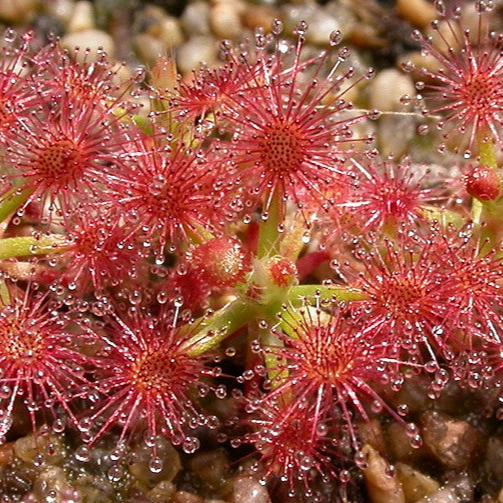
<point x="387" y="88"/>
<point x="415" y="485"/>
<point x="248" y="490"/>
<point x="494" y="457"/>
<point x="89" y="39"/>
<point x="344" y="15"/>
<point x="168" y="469"/>
<point x="321" y="25"/>
<point x="458" y="491"/>
<point x="195" y="51"/>
<point x="381" y="487"/>
<point x="225" y="20"/>
<point x="185" y="497"/>
<point x="292" y="15"/>
<point x="51" y="480"/>
<point x="170" y="32"/>
<point x="452" y="442"/>
<point x="418" y="12"/>
<point x="195" y="19"/>
<point x="148" y="48"/>
<point x="62" y="10"/>
<point x="162" y="492"/>
<point x="82" y="18"/>
<point x="395" y="134"/>
<point x="259" y="16"/>
<point x="17" y="11"/>
<point x="211" y="467"/>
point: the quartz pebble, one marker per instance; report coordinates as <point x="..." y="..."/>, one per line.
<point x="395" y="134"/>
<point x="148" y="48"/>
<point x="162" y="492"/>
<point x="195" y="51"/>
<point x="185" y="497"/>
<point x="211" y="467"/>
<point x="168" y="469"/>
<point x="170" y="32"/>
<point x="458" y="491"/>
<point x="381" y="486"/>
<point x="195" y="19"/>
<point x="418" y="12"/>
<point x="51" y="480"/>
<point x="415" y="484"/>
<point x="321" y="25"/>
<point x="89" y="39"/>
<point x="17" y="11"/>
<point x="82" y="18"/>
<point x="259" y="16"/>
<point x="248" y="490"/>
<point x="62" y="10"/>
<point x="399" y="444"/>
<point x="494" y="457"/>
<point x="387" y="88"/>
<point x="452" y="442"/>
<point x="225" y="19"/>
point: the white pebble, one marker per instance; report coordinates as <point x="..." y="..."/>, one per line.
<point x="225" y="20"/>
<point x="148" y="48"/>
<point x="196" y="18"/>
<point x="248" y="490"/>
<point x="196" y="50"/>
<point x="17" y="11"/>
<point x="62" y="10"/>
<point x="387" y="89"/>
<point x="82" y="18"/>
<point x="88" y="39"/>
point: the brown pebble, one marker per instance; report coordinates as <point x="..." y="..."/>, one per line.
<point x="185" y="497"/>
<point x="6" y="454"/>
<point x="259" y="16"/>
<point x="418" y="12"/>
<point x="381" y="487"/>
<point x="211" y="467"/>
<point x="399" y="444"/>
<point x="494" y="457"/>
<point x="452" y="442"/>
<point x="415" y="485"/>
<point x="162" y="492"/>
<point x="248" y="490"/>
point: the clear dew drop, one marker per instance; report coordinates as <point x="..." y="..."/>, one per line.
<point x="115" y="473"/>
<point x="155" y="465"/>
<point x="5" y="423"/>
<point x="58" y="426"/>
<point x="9" y="35"/>
<point x="190" y="445"/>
<point x="5" y="392"/>
<point x="484" y="5"/>
<point x="335" y="38"/>
<point x="83" y="454"/>
<point x="277" y="26"/>
<point x="422" y="129"/>
<point x="440" y="7"/>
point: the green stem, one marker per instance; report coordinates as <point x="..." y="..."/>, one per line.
<point x="268" y="240"/>
<point x="27" y="246"/>
<point x="221" y="325"/>
<point x="12" y="201"/>
<point x="4" y="294"/>
<point x="444" y="216"/>
<point x="487" y="154"/>
<point x="323" y="292"/>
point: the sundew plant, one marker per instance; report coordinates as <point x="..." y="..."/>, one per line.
<point x="244" y="239"/>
